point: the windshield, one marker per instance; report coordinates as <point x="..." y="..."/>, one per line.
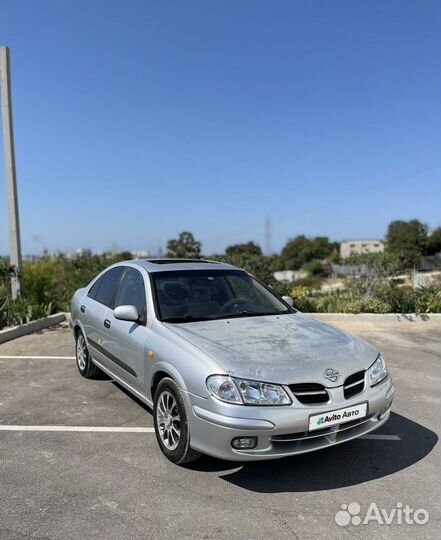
<point x="195" y="295"/>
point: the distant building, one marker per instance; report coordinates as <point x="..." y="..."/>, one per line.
<point x="29" y="258"/>
<point x="288" y="276"/>
<point x="140" y="254"/>
<point x="357" y="247"/>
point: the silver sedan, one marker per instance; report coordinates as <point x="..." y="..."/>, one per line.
<point x="229" y="368"/>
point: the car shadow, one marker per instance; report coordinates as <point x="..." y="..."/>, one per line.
<point x="131" y="396"/>
<point x="348" y="464"/>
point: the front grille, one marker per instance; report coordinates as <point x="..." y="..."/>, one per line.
<point x="354" y="384"/>
<point x="310" y="393"/>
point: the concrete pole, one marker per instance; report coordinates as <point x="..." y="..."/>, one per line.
<point x="11" y="178"/>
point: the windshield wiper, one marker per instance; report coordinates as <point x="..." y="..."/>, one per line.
<point x="249" y="314"/>
<point x="186" y="318"/>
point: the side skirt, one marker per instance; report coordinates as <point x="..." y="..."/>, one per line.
<point x="127" y="386"/>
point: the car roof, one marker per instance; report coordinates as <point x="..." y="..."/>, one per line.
<point x="163" y="264"/>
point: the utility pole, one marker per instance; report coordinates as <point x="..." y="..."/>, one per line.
<point x="11" y="178"/>
<point x="268" y="236"/>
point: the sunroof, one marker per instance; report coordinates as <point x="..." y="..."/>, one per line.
<point x="180" y="261"/>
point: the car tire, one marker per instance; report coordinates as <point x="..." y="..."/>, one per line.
<point x="84" y="362"/>
<point x="171" y="424"/>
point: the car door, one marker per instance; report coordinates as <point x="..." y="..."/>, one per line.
<point x="126" y="343"/>
<point x="97" y="310"/>
<point x="88" y="309"/>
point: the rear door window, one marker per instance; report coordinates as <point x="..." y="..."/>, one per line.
<point x="94" y="289"/>
<point x="109" y="285"/>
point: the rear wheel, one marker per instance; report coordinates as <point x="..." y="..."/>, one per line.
<point x="171" y="425"/>
<point x="84" y="363"/>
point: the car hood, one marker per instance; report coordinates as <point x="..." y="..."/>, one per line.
<point x="281" y="349"/>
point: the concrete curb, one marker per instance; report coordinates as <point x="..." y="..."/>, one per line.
<point x="378" y="317"/>
<point x="29" y="328"/>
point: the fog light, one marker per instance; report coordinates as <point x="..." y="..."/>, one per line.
<point x="383" y="413"/>
<point x="244" y="443"/>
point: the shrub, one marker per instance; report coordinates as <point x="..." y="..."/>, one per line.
<point x="366" y="305"/>
<point x="428" y="299"/>
<point x="300" y="291"/>
<point x="314" y="268"/>
<point x="49" y="284"/>
<point x="312" y="282"/>
<point x="305" y="303"/>
<point x="22" y="311"/>
<point x="333" y="302"/>
<point x="41" y="280"/>
<point x="387" y="297"/>
<point x="400" y="299"/>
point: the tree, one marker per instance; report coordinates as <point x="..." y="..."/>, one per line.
<point x="260" y="266"/>
<point x="433" y="244"/>
<point x="376" y="269"/>
<point x="185" y="247"/>
<point x="407" y="241"/>
<point x="300" y="250"/>
<point x="315" y="268"/>
<point x="250" y="248"/>
<point x="335" y="258"/>
<point x="383" y="262"/>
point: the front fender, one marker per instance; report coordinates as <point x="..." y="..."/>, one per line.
<point x="167" y="367"/>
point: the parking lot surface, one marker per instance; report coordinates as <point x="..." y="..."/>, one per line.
<point x="64" y="476"/>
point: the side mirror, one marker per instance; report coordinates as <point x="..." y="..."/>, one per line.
<point x="288" y="300"/>
<point x="126" y="313"/>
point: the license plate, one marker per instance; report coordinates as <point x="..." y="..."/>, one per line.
<point x="339" y="416"/>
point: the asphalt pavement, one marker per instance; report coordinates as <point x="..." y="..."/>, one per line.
<point x="79" y="459"/>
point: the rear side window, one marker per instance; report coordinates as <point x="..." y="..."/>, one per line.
<point x="94" y="289"/>
<point x="108" y="286"/>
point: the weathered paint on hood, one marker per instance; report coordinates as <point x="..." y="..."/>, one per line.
<point x="281" y="349"/>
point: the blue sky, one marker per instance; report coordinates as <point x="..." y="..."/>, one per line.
<point x="136" y="120"/>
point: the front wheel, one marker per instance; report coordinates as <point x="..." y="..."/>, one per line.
<point x="171" y="425"/>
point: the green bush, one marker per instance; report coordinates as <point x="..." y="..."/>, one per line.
<point x="314" y="268"/>
<point x="366" y="305"/>
<point x="41" y="281"/>
<point x="428" y="300"/>
<point x="49" y="284"/>
<point x="400" y="299"/>
<point x="387" y="297"/>
<point x="313" y="282"/>
<point x="305" y="303"/>
<point x="22" y="311"/>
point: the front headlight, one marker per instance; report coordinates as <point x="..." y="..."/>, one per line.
<point x="378" y="371"/>
<point x="244" y="392"/>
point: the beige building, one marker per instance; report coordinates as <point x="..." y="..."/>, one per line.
<point x="357" y="247"/>
<point x="288" y="276"/>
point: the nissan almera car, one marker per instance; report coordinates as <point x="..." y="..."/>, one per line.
<point x="229" y="368"/>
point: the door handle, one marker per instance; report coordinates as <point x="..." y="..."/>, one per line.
<point x="83" y="309"/>
<point x="107" y="323"/>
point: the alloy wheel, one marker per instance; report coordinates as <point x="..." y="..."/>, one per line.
<point x="81" y="352"/>
<point x="168" y="420"/>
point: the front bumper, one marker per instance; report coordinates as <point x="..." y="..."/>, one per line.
<point x="281" y="431"/>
